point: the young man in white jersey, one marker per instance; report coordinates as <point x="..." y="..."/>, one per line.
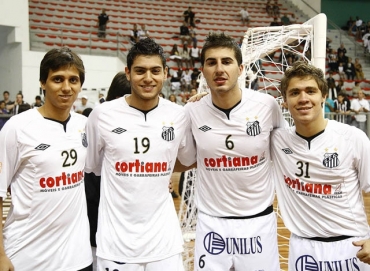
<point x="133" y="144"/>
<point x="320" y="166"/>
<point x="42" y="160"/>
<point x="236" y="226"/>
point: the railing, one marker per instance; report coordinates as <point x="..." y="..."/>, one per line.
<point x="115" y="43"/>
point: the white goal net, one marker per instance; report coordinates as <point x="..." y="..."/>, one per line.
<point x="267" y="53"/>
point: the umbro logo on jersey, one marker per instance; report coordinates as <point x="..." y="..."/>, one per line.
<point x="253" y="128"/>
<point x="205" y="128"/>
<point x="42" y="147"/>
<point x="119" y="130"/>
<point x="287" y="151"/>
<point x="168" y="133"/>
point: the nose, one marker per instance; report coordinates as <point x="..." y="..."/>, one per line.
<point x="66" y="85"/>
<point x="303" y="97"/>
<point x="219" y="67"/>
<point x="148" y="76"/>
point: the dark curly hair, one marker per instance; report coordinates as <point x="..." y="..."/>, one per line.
<point x="146" y="47"/>
<point x="220" y="40"/>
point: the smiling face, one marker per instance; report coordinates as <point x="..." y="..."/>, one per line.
<point x="221" y="70"/>
<point x="304" y="100"/>
<point x="146" y="76"/>
<point x="61" y="89"/>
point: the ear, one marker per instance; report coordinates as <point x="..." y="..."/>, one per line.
<point x="127" y="72"/>
<point x="241" y="68"/>
<point x="165" y="72"/>
<point x="42" y="86"/>
<point x="284" y="105"/>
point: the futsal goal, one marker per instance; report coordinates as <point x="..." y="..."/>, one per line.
<point x="267" y="53"/>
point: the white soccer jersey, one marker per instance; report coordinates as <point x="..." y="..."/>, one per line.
<point x="135" y="154"/>
<point x="319" y="186"/>
<point x="233" y="154"/>
<point x="47" y="227"/>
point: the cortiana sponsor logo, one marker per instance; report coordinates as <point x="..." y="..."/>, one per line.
<point x="61" y="181"/>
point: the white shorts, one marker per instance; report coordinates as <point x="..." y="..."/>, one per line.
<point x="222" y="244"/>
<point x="174" y="263"/>
<point x="306" y="254"/>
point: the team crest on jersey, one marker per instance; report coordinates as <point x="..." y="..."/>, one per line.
<point x="168" y="133"/>
<point x="330" y="160"/>
<point x="253" y="128"/>
<point x="84" y="140"/>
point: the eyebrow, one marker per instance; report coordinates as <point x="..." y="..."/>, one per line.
<point x="154" y="67"/>
<point x="306" y="88"/>
<point x="223" y="58"/>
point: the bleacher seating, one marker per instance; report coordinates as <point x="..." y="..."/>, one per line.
<point x="73" y="22"/>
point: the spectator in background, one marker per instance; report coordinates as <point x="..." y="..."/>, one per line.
<point x="175" y="56"/>
<point x="356" y="89"/>
<point x="185" y="33"/>
<point x="275" y="9"/>
<point x="342" y="59"/>
<point x="185" y="56"/>
<point x="342" y="49"/>
<point x="38" y="102"/>
<point x="6" y="98"/>
<point x="285" y="20"/>
<point x="193" y="36"/>
<point x="358" y="70"/>
<point x="359" y="28"/>
<point x="3" y="111"/>
<point x="275" y="22"/>
<point x="366" y="40"/>
<point x="340" y="86"/>
<point x="244" y="14"/>
<point x="103" y="19"/>
<point x="195" y="77"/>
<point x="143" y="33"/>
<point x="349" y="24"/>
<point x="332" y="61"/>
<point x="331" y="85"/>
<point x="186" y="80"/>
<point x="329" y="107"/>
<point x="189" y="17"/>
<point x="100" y="100"/>
<point x="119" y="87"/>
<point x="341" y="72"/>
<point x="359" y="106"/>
<point x="134" y="34"/>
<point x="350" y="69"/>
<point x="342" y="106"/>
<point x="82" y="105"/>
<point x="19" y="105"/>
<point x="269" y="9"/>
<point x="172" y="98"/>
<point x="194" y="55"/>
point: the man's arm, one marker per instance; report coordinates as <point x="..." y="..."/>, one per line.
<point x="364" y="253"/>
<point x="181" y="168"/>
<point x="5" y="263"/>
